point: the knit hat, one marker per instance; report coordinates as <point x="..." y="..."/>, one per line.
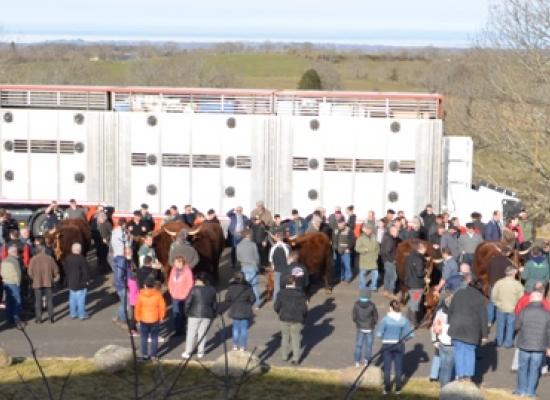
<point x="364" y="294"/>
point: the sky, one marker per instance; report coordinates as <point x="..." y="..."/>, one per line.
<point x="392" y="22"/>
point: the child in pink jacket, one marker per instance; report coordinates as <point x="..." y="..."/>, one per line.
<point x="180" y="284"/>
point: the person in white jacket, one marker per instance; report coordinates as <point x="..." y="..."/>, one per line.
<point x="443" y="342"/>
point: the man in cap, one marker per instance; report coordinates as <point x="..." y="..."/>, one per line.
<point x="182" y="248"/>
<point x="342" y="244"/>
<point x="468" y="243"/>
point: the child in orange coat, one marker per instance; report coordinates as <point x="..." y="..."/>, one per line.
<point x="150" y="310"/>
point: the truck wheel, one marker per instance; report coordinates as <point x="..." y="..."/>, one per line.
<point x="37" y="223"/>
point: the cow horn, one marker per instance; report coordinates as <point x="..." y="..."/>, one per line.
<point x="170" y="232"/>
<point x="526" y="251"/>
<point x="191" y="233"/>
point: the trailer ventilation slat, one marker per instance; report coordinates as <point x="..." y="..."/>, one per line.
<point x="66" y="147"/>
<point x="44" y="146"/>
<point x="206" y="161"/>
<point x="21" y="146"/>
<point x="407" y="167"/>
<point x="175" y="160"/>
<point x="369" y="165"/>
<point x="299" y="164"/>
<point x="244" y="162"/>
<point x="338" y="164"/>
<point x="139" y="159"/>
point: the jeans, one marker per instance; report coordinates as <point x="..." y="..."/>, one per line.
<point x="436" y="366"/>
<point x="196" y="327"/>
<point x="13" y="302"/>
<point x="390" y="276"/>
<point x="291" y="338"/>
<point x="465" y="359"/>
<point x="121" y="310"/>
<point x="276" y="284"/>
<point x="251" y="275"/>
<point x="505" y="328"/>
<point x="364" y="279"/>
<point x="530" y="363"/>
<point x="447" y="364"/>
<point x="342" y="264"/>
<point x="47" y="292"/>
<point x="363" y="346"/>
<point x="147" y="330"/>
<point x="178" y="316"/>
<point x="77" y="303"/>
<point x="491" y="309"/>
<point x="393" y="353"/>
<point x="235" y="240"/>
<point x="415" y="297"/>
<point x="240" y="333"/>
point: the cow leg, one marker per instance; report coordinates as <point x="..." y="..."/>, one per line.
<point x="269" y="286"/>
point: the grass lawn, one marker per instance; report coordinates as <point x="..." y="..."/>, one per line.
<point x="86" y="382"/>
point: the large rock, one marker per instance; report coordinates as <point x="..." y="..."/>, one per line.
<point x="113" y="358"/>
<point x="372" y="378"/>
<point x="458" y="390"/>
<point x="239" y="363"/>
<point x="5" y="358"/>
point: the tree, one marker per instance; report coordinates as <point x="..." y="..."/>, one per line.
<point x="310" y="80"/>
<point x="329" y="75"/>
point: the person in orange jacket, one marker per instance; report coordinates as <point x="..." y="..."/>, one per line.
<point x="150" y="310"/>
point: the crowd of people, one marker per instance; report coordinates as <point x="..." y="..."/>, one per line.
<point x="516" y="300"/>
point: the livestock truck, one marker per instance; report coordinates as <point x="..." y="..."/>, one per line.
<point x="218" y="148"/>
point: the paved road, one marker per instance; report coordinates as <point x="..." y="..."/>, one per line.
<point x="329" y="336"/>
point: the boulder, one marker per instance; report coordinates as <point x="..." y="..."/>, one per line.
<point x="113" y="358"/>
<point x="458" y="390"/>
<point x="5" y="358"/>
<point x="239" y="363"/>
<point x="372" y="378"/>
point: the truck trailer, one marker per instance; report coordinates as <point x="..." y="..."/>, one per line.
<point x="219" y="148"/>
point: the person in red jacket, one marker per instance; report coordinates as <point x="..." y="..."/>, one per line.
<point x="150" y="310"/>
<point x="180" y="284"/>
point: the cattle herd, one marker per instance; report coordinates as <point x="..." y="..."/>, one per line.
<point x="314" y="248"/>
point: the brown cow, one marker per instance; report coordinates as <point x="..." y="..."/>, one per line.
<point x="431" y="298"/>
<point x="315" y="254"/>
<point x="65" y="234"/>
<point x="207" y="239"/>
<point x="487" y="250"/>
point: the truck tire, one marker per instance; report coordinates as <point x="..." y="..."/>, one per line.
<point x="37" y="223"/>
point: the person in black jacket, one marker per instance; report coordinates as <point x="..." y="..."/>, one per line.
<point x="365" y="316"/>
<point x="77" y="276"/>
<point x="146" y="270"/>
<point x="428" y="219"/>
<point x="414" y="279"/>
<point x="240" y="298"/>
<point x="533" y="341"/>
<point x="388" y="249"/>
<point x="200" y="309"/>
<point x="298" y="271"/>
<point x="467" y="319"/>
<point x="292" y="309"/>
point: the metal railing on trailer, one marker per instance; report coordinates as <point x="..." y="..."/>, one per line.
<point x="224" y="101"/>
